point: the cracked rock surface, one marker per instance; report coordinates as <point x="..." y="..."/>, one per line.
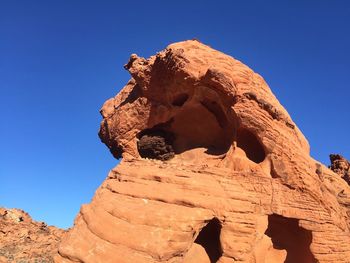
<point x="240" y="185"/>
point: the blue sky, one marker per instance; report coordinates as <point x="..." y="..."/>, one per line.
<point x="60" y="60"/>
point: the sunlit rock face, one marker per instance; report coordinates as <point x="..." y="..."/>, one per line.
<point x="213" y="169"/>
<point x="340" y="166"/>
<point x="24" y="240"/>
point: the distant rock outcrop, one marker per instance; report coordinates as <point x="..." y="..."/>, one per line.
<point x="213" y="170"/>
<point x="24" y="240"/>
<point x="340" y="166"/>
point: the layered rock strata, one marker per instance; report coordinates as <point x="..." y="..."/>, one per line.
<point x="213" y="169"/>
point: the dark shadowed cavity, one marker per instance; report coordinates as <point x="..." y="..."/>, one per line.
<point x="209" y="239"/>
<point x="285" y="233"/>
<point x="250" y="144"/>
<point x="156" y="144"/>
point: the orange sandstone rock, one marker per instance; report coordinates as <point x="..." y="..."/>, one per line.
<point x="24" y="240"/>
<point x="340" y="166"/>
<point x="213" y="170"/>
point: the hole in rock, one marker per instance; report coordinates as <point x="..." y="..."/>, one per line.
<point x="209" y="239"/>
<point x="156" y="144"/>
<point x="180" y="99"/>
<point x="274" y="174"/>
<point x="286" y="233"/>
<point x="250" y="144"/>
<point x="215" y="109"/>
<point x="202" y="125"/>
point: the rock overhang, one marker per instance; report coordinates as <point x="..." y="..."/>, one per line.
<point x="203" y="139"/>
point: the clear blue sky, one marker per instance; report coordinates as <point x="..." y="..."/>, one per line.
<point x="60" y="60"/>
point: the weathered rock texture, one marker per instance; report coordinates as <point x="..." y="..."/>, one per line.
<point x="340" y="166"/>
<point x="24" y="240"/>
<point x="229" y="177"/>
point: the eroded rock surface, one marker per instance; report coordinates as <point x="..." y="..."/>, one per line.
<point x="24" y="240"/>
<point x="237" y="183"/>
<point x="156" y="144"/>
<point x="340" y="166"/>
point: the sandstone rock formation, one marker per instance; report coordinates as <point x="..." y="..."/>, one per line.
<point x="213" y="169"/>
<point x="340" y="166"/>
<point x="24" y="240"/>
